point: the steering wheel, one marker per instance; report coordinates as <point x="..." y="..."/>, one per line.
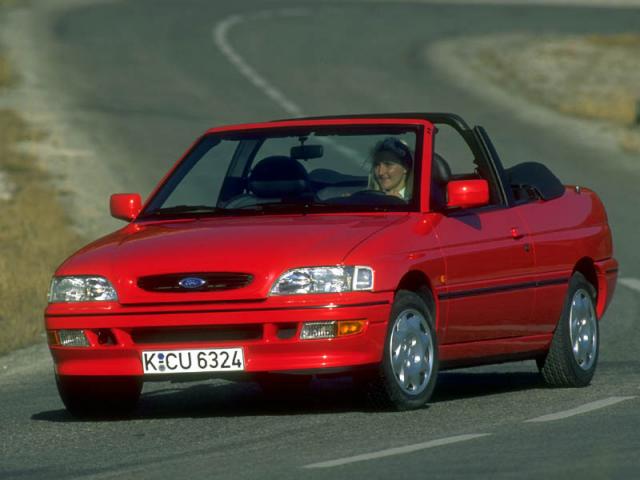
<point x="364" y="193"/>
<point x="378" y="197"/>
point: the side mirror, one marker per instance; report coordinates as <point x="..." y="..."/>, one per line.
<point x="125" y="206"/>
<point x="467" y="193"/>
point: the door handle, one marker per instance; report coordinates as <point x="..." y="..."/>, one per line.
<point x="516" y="234"/>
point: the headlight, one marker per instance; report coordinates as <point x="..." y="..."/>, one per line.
<point x="82" y="288"/>
<point x="324" y="280"/>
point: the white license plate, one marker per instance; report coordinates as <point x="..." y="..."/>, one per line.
<point x="188" y="361"/>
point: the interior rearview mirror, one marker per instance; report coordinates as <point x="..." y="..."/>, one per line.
<point x="306" y="152"/>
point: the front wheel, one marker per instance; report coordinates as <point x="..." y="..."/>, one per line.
<point x="99" y="396"/>
<point x="573" y="355"/>
<point x="407" y="374"/>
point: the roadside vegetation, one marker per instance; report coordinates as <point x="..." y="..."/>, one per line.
<point x="6" y="77"/>
<point x="34" y="232"/>
<point x="591" y="76"/>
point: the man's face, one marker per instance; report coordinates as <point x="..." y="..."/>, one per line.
<point x="389" y="173"/>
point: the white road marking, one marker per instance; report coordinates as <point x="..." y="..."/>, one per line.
<point x="587" y="407"/>
<point x="396" y="451"/>
<point x="220" y="38"/>
<point x="222" y="28"/>
<point x="632" y="283"/>
<point x="220" y="32"/>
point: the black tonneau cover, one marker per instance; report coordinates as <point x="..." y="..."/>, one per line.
<point x="537" y="176"/>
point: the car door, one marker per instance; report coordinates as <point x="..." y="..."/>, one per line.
<point x="557" y="230"/>
<point x="488" y="264"/>
<point x="488" y="256"/>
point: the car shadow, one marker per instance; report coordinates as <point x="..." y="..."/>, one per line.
<point x="460" y="385"/>
<point x="324" y="397"/>
<point x="229" y="399"/>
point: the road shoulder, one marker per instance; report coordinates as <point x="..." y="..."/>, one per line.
<point x="458" y="58"/>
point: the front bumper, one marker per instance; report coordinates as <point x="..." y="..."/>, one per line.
<point x="267" y="351"/>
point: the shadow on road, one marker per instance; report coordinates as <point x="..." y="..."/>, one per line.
<point x="228" y="399"/>
<point x="459" y="385"/>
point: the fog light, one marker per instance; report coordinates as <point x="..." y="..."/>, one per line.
<point x="73" y="338"/>
<point x="318" y="330"/>
<point x="350" y="327"/>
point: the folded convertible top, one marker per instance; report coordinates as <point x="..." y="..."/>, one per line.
<point x="538" y="176"/>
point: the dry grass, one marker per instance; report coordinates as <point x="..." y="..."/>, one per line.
<point x="630" y="140"/>
<point x="631" y="40"/>
<point x="34" y="237"/>
<point x="593" y="76"/>
<point x="33" y="233"/>
<point x="6" y="75"/>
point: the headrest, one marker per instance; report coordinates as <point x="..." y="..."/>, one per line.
<point x="440" y="171"/>
<point x="278" y="176"/>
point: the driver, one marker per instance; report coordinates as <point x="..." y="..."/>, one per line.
<point x="391" y="171"/>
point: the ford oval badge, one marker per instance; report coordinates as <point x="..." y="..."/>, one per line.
<point x="192" y="282"/>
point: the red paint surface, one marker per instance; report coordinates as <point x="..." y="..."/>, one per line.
<point x="482" y="251"/>
<point x="467" y="193"/>
<point x="125" y="206"/>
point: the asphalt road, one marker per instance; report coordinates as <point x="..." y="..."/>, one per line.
<point x="146" y="77"/>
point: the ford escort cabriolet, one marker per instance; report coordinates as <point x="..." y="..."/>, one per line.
<point x="388" y="247"/>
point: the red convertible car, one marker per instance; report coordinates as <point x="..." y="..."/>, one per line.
<point x="387" y="246"/>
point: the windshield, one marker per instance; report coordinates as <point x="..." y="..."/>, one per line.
<point x="279" y="171"/>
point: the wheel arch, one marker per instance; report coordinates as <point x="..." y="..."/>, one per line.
<point x="587" y="267"/>
<point x="418" y="282"/>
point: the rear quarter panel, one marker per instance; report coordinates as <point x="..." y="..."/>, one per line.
<point x="564" y="231"/>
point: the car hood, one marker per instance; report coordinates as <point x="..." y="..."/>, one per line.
<point x="263" y="247"/>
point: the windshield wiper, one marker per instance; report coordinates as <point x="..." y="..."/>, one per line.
<point x="185" y="209"/>
<point x="294" y="206"/>
<point x="284" y="207"/>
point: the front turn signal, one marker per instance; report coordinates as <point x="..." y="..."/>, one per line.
<point x="350" y="327"/>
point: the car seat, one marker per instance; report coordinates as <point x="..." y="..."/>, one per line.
<point x="273" y="179"/>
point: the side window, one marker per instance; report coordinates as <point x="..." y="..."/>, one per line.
<point x="454" y="160"/>
<point x="453" y="149"/>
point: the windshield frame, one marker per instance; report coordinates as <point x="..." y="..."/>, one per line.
<point x="289" y="128"/>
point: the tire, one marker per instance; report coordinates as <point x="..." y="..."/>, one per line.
<point x="99" y="396"/>
<point x="280" y="385"/>
<point x="410" y="334"/>
<point x="571" y="362"/>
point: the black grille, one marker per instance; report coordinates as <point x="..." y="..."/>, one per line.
<point x="213" y="282"/>
<point x="142" y="336"/>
